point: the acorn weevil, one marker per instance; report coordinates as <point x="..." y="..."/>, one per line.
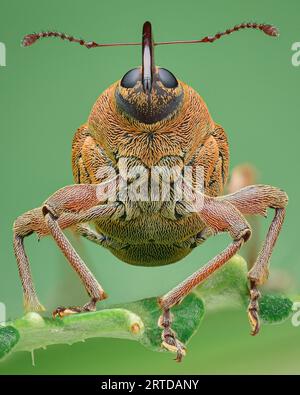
<point x="150" y="120"/>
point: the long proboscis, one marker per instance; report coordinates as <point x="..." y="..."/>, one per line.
<point x="270" y="30"/>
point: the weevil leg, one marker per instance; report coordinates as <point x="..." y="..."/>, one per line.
<point x="85" y="231"/>
<point x="98" y="238"/>
<point x="242" y="176"/>
<point x="220" y="217"/>
<point x="256" y="199"/>
<point x="31" y="301"/>
<point x="169" y="339"/>
<point x="65" y="208"/>
<point x="93" y="288"/>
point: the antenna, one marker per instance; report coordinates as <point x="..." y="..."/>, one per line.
<point x="269" y="30"/>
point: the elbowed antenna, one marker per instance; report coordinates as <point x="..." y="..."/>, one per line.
<point x="148" y="66"/>
<point x="270" y="30"/>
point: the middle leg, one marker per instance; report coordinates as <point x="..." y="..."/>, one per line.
<point x="256" y="199"/>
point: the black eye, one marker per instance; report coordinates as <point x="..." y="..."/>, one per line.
<point x="131" y="78"/>
<point x="167" y="78"/>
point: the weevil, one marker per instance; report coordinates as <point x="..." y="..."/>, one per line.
<point x="150" y="119"/>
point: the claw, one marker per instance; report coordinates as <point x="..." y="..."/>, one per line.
<point x="180" y="355"/>
<point x="177" y="347"/>
<point x="253" y="309"/>
<point x="254" y="321"/>
<point x="169" y="340"/>
<point x="65" y="311"/>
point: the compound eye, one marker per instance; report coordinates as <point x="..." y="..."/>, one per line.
<point x="131" y="78"/>
<point x="167" y="78"/>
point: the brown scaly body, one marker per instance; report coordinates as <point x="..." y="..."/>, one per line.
<point x="150" y="120"/>
<point x="188" y="138"/>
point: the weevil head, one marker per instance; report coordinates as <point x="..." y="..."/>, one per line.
<point x="149" y="93"/>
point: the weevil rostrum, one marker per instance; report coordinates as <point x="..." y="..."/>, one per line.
<point x="150" y="120"/>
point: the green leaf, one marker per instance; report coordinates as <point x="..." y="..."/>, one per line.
<point x="274" y="309"/>
<point x="9" y="337"/>
<point x="187" y="318"/>
<point x="227" y="287"/>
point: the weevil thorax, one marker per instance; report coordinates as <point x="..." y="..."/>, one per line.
<point x="170" y="125"/>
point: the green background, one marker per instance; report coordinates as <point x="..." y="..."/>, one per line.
<point x="47" y="91"/>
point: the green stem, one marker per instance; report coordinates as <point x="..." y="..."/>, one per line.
<point x="36" y="331"/>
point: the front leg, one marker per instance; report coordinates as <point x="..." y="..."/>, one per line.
<point x="66" y="208"/>
<point x="219" y="217"/>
